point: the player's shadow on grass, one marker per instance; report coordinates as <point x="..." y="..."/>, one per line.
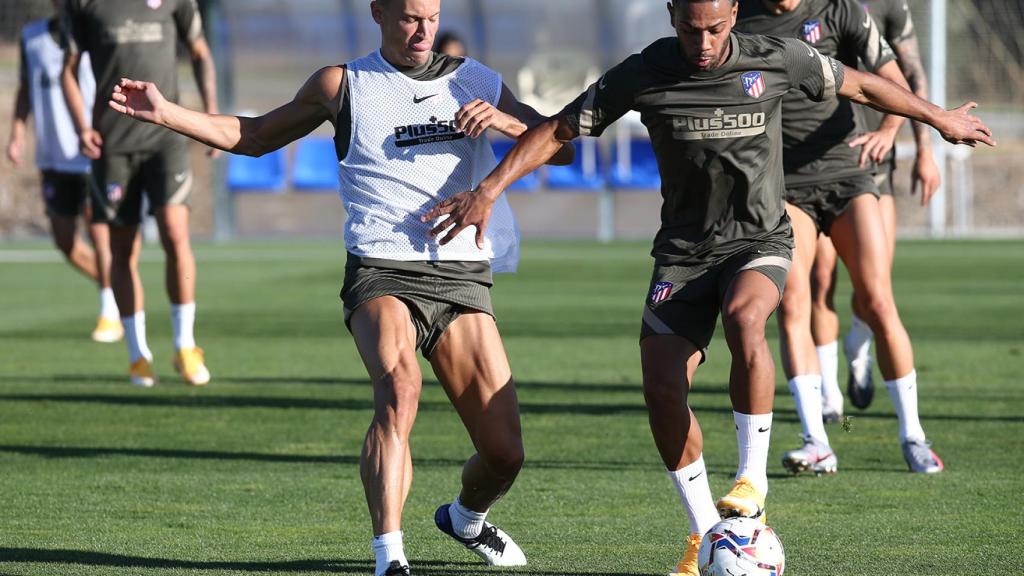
<point x="103" y="559"/>
<point x="76" y="452"/>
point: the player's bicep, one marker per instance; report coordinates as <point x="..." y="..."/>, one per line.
<point x="310" y="108"/>
<point x="604" y="102"/>
<point x="863" y="32"/>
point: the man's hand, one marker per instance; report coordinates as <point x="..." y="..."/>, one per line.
<point x="876" y="144"/>
<point x="959" y="127"/>
<point x="90" y="143"/>
<point x="476" y="117"/>
<point x="926" y="176"/>
<point x="140" y="100"/>
<point x="14" y="151"/>
<point x="463" y="210"/>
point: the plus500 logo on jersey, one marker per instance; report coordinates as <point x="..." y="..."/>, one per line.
<point x="435" y="131"/>
<point x="719" y="125"/>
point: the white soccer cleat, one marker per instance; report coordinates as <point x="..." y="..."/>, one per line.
<point x="492" y="545"/>
<point x="813" y="456"/>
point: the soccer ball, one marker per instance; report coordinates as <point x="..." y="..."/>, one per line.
<point x="741" y="547"/>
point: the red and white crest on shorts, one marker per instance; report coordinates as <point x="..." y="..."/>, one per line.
<point x="661" y="292"/>
<point x="115" y="192"/>
<point x="155" y="4"/>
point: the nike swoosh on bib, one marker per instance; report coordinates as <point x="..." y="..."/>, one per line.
<point x="416" y="100"/>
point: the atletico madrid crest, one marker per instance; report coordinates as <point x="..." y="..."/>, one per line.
<point x="661" y="292"/>
<point x="812" y="31"/>
<point x="115" y="192"/>
<point x="753" y="84"/>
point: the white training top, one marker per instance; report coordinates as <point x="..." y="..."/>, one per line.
<point x="406" y="154"/>
<point x="56" y="141"/>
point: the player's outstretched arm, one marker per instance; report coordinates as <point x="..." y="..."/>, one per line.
<point x="875" y="146"/>
<point x="311" y="107"/>
<point x="473" y="208"/>
<point x="957" y="126"/>
<point x="510" y="117"/>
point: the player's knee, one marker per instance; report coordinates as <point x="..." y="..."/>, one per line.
<point x="878" y="310"/>
<point x="662" y="391"/>
<point x="66" y="244"/>
<point x="744" y="322"/>
<point x="398" y="392"/>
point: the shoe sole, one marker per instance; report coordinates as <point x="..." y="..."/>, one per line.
<point x="795" y="466"/>
<point x="143" y="382"/>
<point x="107" y="338"/>
<point x="192" y="381"/>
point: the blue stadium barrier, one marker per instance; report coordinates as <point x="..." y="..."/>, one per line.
<point x="528" y="183"/>
<point x="316" y="165"/>
<point x="641" y="172"/>
<point x="263" y="174"/>
<point x="578" y="175"/>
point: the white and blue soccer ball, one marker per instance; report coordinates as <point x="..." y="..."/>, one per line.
<point x="741" y="547"/>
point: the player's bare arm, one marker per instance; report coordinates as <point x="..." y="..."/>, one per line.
<point x="90" y="140"/>
<point x="206" y="77"/>
<point x="473" y="208"/>
<point x="926" y="176"/>
<point x="875" y="146"/>
<point x="511" y="117"/>
<point x="314" y="104"/>
<point x="956" y="126"/>
<point x="19" y="121"/>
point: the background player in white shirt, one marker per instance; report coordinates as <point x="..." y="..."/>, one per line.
<point x="63" y="168"/>
<point x="403" y="290"/>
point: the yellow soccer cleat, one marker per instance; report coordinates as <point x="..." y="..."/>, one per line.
<point x="108" y="330"/>
<point x="688" y="565"/>
<point x="743" y="500"/>
<point x="189" y="363"/>
<point x="141" y="373"/>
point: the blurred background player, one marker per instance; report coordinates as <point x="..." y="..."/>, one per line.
<point x="130" y="38"/>
<point x="403" y="291"/>
<point x="64" y="170"/>
<point x="830" y="190"/>
<point x="893" y="19"/>
<point x="712" y="101"/>
<point x="450" y="44"/>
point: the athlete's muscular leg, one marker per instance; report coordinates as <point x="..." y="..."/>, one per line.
<point x="888" y="206"/>
<point x="860" y="240"/>
<point x="125" y="245"/>
<point x="798" y="355"/>
<point x="748" y="304"/>
<point x="824" y="320"/>
<point x="78" y="254"/>
<point x="669" y="363"/>
<point x="100" y="236"/>
<point x="384" y="334"/>
<point x="471" y="364"/>
<point x="180" y="271"/>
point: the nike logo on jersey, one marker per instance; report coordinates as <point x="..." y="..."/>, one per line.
<point x="180" y="177"/>
<point x="416" y="100"/>
<point x="694" y="477"/>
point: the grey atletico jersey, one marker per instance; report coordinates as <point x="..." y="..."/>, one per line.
<point x="893" y="18"/>
<point x="716" y="135"/>
<point x="134" y="39"/>
<point x="816" y="136"/>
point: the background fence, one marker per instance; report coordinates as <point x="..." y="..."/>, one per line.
<point x="547" y="52"/>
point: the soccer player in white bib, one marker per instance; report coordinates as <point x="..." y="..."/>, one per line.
<point x="64" y="169"/>
<point x="408" y="132"/>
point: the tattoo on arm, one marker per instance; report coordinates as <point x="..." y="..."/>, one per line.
<point x="908" y="54"/>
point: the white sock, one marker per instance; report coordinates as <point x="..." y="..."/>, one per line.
<point x="108" y="305"/>
<point x="135" y="337"/>
<point x="183" y="318"/>
<point x="753" y="432"/>
<point x="386" y="549"/>
<point x="806" y="392"/>
<point x="691" y="482"/>
<point x="828" y="359"/>
<point x="903" y="393"/>
<point x="857" y="343"/>
<point x="465" y="522"/>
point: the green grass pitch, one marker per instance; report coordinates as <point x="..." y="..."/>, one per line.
<point x="258" y="473"/>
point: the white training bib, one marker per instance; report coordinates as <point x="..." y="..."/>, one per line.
<point x="406" y="154"/>
<point x="56" y="141"/>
